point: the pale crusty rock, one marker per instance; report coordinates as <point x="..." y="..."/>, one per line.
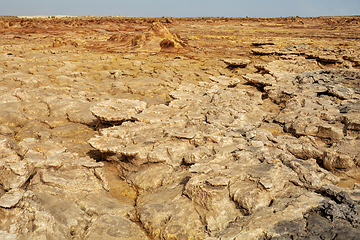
<point x="304" y="125"/>
<point x="32" y="146"/>
<point x="33" y="129"/>
<point x="92" y="164"/>
<point x="114" y="227"/>
<point x="325" y="58"/>
<point x="74" y="131"/>
<point x="197" y="155"/>
<point x="35" y="110"/>
<point x="207" y="131"/>
<point x="352" y="121"/>
<point x="147" y="86"/>
<point x="96" y="204"/>
<point x="7" y="236"/>
<point x="349" y="147"/>
<point x="151" y="118"/>
<point x="166" y="213"/>
<point x="11" y="116"/>
<point x="14" y="171"/>
<point x="11" y="198"/>
<point x="260" y="80"/>
<point x="65" y="211"/>
<point x="6" y="130"/>
<point x="304" y="150"/>
<point x="117" y="110"/>
<point x="177" y="151"/>
<point x="187" y="96"/>
<point x="82" y="114"/>
<point x="263" y="51"/>
<point x="261" y="185"/>
<point x="297" y="65"/>
<point x="150" y="145"/>
<point x="15" y="174"/>
<point x="333" y="160"/>
<point x="215" y="206"/>
<point x="330" y="132"/>
<point x="249" y="196"/>
<point x="329" y="59"/>
<point x="263" y="223"/>
<point x="156" y="114"/>
<point x="205" y="168"/>
<point x="341" y="91"/>
<point x="227" y="81"/>
<point x="227" y="113"/>
<point x="328" y="76"/>
<point x="58" y="199"/>
<point x="311" y="175"/>
<point x="152" y="176"/>
<point x="58" y="107"/>
<point x="236" y="62"/>
<point x="7" y="153"/>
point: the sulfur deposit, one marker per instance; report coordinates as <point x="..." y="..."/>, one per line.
<point x="198" y="128"/>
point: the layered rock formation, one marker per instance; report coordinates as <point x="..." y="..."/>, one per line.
<point x="108" y="135"/>
<point x="155" y="38"/>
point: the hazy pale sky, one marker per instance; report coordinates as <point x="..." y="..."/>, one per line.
<point x="181" y="8"/>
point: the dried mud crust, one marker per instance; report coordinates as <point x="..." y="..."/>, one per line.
<point x="197" y="128"/>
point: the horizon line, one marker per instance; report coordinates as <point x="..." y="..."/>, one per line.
<point x="120" y="16"/>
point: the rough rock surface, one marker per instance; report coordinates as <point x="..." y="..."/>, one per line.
<point x="233" y="63"/>
<point x="107" y="132"/>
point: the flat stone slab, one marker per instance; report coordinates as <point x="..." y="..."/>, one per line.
<point x="262" y="51"/>
<point x="11" y="198"/>
<point x="236" y="62"/>
<point x="260" y="80"/>
<point x="117" y="110"/>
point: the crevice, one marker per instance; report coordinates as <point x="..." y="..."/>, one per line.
<point x="27" y="182"/>
<point x="138" y="221"/>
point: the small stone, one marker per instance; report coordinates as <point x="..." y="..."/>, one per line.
<point x="262" y="51"/>
<point x="236" y="62"/>
<point x="260" y="80"/>
<point x="93" y="164"/>
<point x="11" y="198"/>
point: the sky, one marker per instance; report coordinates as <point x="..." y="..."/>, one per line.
<point x="181" y="8"/>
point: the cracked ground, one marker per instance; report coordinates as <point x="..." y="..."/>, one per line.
<point x="196" y="128"/>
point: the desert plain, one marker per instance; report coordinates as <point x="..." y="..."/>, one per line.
<point x="179" y="128"/>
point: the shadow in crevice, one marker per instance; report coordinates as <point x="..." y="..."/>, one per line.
<point x="95" y="154"/>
